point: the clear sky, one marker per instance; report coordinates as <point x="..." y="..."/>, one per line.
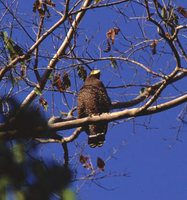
<point x="148" y="152"/>
<point x="154" y="161"/>
<point x="150" y="164"/>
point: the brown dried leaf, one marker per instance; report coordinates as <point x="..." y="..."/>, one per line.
<point x="37" y="6"/>
<point x="111" y="34"/>
<point x="50" y="3"/>
<point x="153" y="46"/>
<point x="57" y="82"/>
<point x="100" y="164"/>
<point x="81" y="72"/>
<point x="87" y="165"/>
<point x="23" y="70"/>
<point x="182" y="11"/>
<point x="41" y="7"/>
<point x="168" y="35"/>
<point x="85" y="161"/>
<point x="66" y="81"/>
<point x="62" y="83"/>
<point x="44" y="103"/>
<point x="41" y="12"/>
<point x="108" y="46"/>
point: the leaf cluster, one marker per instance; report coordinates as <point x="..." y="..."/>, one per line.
<point x="42" y="7"/>
<point x="21" y="174"/>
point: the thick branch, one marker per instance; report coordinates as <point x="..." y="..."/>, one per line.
<point x="107" y="117"/>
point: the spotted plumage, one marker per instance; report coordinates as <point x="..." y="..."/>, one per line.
<point x="93" y="100"/>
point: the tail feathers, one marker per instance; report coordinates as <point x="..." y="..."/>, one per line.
<point x="96" y="140"/>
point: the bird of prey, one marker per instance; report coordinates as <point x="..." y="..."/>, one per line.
<point x="94" y="100"/>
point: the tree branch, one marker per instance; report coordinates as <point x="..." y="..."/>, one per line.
<point x="107" y="117"/>
<point x="61" y="51"/>
<point x="143" y="96"/>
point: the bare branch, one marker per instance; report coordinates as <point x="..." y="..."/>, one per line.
<point x="107" y="117"/>
<point x="63" y="140"/>
<point x="61" y="51"/>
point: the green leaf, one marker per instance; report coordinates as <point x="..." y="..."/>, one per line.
<point x="37" y="91"/>
<point x="4" y="181"/>
<point x="164" y="13"/>
<point x="97" y="1"/>
<point x="19" y="195"/>
<point x="51" y="76"/>
<point x="18" y="153"/>
<point x="68" y="194"/>
<point x="8" y="44"/>
<point x="13" y="49"/>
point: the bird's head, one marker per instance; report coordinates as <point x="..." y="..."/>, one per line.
<point x="95" y="73"/>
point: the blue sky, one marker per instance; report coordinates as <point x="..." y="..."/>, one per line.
<point x="147" y="149"/>
<point x="153" y="160"/>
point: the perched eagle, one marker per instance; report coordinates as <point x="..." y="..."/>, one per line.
<point x="93" y="100"/>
